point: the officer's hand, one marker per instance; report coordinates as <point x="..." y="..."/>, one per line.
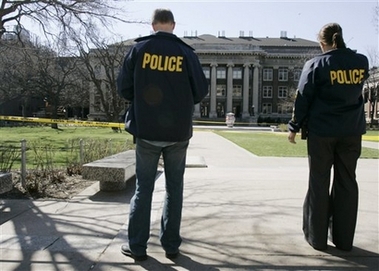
<point x="291" y="137"/>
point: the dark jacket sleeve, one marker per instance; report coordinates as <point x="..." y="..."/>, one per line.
<point x="125" y="81"/>
<point x="304" y="97"/>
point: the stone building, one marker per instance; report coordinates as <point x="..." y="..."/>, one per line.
<point x="249" y="76"/>
<point x="371" y="94"/>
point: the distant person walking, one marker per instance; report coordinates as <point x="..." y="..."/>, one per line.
<point x="163" y="79"/>
<point x="330" y="104"/>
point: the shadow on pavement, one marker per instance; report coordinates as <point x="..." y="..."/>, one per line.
<point x="60" y="235"/>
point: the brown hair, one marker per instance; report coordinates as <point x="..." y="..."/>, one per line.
<point x="163" y="16"/>
<point x="331" y="34"/>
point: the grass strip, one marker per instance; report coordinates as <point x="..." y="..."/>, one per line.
<point x="276" y="144"/>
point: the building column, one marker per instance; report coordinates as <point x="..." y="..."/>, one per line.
<point x="196" y="113"/>
<point x="229" y="89"/>
<point x="255" y="101"/>
<point x="212" y="111"/>
<point x="245" y="91"/>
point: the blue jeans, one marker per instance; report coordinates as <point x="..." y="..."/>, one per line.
<point x="147" y="157"/>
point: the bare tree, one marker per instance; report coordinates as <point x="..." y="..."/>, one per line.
<point x="32" y="71"/>
<point x="76" y="97"/>
<point x="293" y="76"/>
<point x="100" y="69"/>
<point x="17" y="72"/>
<point x="56" y="76"/>
<point x="65" y="15"/>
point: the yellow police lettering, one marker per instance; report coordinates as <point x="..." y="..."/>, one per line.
<point x="162" y="63"/>
<point x="154" y="62"/>
<point x="146" y="59"/>
<point x="356" y="75"/>
<point x="346" y="77"/>
<point x="333" y="76"/>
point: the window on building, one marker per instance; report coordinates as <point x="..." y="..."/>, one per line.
<point x="237" y="91"/>
<point x="204" y="109"/>
<point x="267" y="91"/>
<point x="207" y="72"/>
<point x="267" y="74"/>
<point x="221" y="73"/>
<point x="237" y="73"/>
<point x="220" y="90"/>
<point x="266" y="108"/>
<point x="296" y="74"/>
<point x="283" y="74"/>
<point x="282" y="92"/>
<point x="220" y="109"/>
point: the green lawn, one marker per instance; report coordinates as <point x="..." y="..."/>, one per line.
<point x="61" y="147"/>
<point x="276" y="144"/>
<point x="59" y="136"/>
<point x="47" y="147"/>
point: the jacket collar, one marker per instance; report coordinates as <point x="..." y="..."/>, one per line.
<point x="163" y="35"/>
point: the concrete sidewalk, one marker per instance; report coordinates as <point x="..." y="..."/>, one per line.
<point x="241" y="212"/>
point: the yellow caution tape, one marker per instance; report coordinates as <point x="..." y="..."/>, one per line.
<point x="64" y="121"/>
<point x="370" y="137"/>
<point x="91" y="123"/>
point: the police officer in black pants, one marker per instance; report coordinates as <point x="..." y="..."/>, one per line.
<point x="329" y="103"/>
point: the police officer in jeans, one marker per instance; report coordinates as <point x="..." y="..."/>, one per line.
<point x="329" y="99"/>
<point x="163" y="79"/>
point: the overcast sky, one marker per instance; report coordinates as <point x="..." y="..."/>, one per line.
<point x="301" y="19"/>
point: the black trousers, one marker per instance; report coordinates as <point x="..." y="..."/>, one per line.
<point x="334" y="206"/>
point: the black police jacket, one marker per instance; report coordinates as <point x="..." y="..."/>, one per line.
<point x="162" y="77"/>
<point x="329" y="95"/>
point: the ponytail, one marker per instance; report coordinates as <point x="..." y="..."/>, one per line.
<point x="331" y="34"/>
<point x="338" y="40"/>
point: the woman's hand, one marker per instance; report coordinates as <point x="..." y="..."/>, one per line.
<point x="291" y="137"/>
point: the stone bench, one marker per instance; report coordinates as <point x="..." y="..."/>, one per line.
<point x="6" y="184"/>
<point x="113" y="171"/>
<point x="274" y="128"/>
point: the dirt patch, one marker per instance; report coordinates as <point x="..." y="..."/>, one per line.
<point x="59" y="185"/>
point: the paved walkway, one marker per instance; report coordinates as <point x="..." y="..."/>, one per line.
<point x="241" y="212"/>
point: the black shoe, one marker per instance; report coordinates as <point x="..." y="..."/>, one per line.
<point x="172" y="256"/>
<point x="127" y="252"/>
<point x="344" y="248"/>
<point x="319" y="248"/>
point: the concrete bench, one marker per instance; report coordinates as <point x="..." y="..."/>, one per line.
<point x="113" y="171"/>
<point x="6" y="184"/>
<point x="274" y="128"/>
